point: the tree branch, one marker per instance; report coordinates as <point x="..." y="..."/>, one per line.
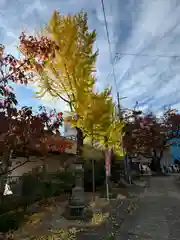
<point x="11" y="170"/>
<point x="65" y="100"/>
<point x="10" y="74"/>
<point x="62" y="85"/>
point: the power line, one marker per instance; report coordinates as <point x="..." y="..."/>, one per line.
<point x="145" y="55"/>
<point x="111" y="58"/>
<point x="109" y="45"/>
<point x="113" y="71"/>
<point x="116" y="58"/>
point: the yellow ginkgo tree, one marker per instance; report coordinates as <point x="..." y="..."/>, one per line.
<point x="103" y="126"/>
<point x="99" y="120"/>
<point x="63" y="60"/>
<point x="96" y="117"/>
<point x="108" y="127"/>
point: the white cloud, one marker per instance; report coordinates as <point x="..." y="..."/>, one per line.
<point x="143" y="27"/>
<point x="35" y="6"/>
<point x="152" y="33"/>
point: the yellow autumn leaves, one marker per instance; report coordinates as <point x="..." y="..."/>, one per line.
<point x="70" y="74"/>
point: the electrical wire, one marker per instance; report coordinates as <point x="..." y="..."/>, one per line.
<point x="138" y="55"/>
<point x="146" y="55"/>
<point x="109" y="45"/>
<point x="111" y="58"/>
<point x="125" y="54"/>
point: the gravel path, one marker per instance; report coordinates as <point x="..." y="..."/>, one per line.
<point x="120" y="211"/>
<point x="157" y="216"/>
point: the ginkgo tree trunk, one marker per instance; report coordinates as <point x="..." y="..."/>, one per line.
<point x="64" y="61"/>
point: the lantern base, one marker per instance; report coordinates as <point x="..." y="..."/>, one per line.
<point x="77" y="213"/>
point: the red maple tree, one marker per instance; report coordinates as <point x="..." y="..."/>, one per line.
<point x="21" y="129"/>
<point x="149" y="136"/>
<point x="36" y="51"/>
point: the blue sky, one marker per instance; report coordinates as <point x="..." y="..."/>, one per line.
<point x="135" y="26"/>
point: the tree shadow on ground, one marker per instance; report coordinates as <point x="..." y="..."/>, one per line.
<point x="13" y="217"/>
<point x="111" y="225"/>
<point x="106" y="220"/>
<point x="118" y="212"/>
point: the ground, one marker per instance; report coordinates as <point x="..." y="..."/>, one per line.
<point x="48" y="219"/>
<point x="149" y="215"/>
<point x="157" y="216"/>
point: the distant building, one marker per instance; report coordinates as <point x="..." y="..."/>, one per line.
<point x="175" y="148"/>
<point x="167" y="158"/>
<point x="69" y="131"/>
<point x="141" y="159"/>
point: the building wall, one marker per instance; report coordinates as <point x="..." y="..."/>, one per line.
<point x="69" y="131"/>
<point x="167" y="158"/>
<point x="52" y="163"/>
<point x="175" y="148"/>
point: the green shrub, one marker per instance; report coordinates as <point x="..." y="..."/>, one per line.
<point x="31" y="186"/>
<point x="11" y="221"/>
<point x="35" y="188"/>
<point x="9" y="202"/>
<point x="34" y="185"/>
<point x="99" y="174"/>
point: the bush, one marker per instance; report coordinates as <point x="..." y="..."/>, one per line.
<point x="31" y="186"/>
<point x="35" y="188"/>
<point x="53" y="184"/>
<point x="99" y="175"/>
<point x="9" y="202"/>
<point x="11" y="221"/>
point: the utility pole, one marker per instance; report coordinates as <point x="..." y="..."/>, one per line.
<point x="122" y="147"/>
<point x="120" y="114"/>
<point x="112" y="61"/>
<point x="93" y="167"/>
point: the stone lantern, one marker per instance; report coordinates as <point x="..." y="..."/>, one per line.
<point x="76" y="206"/>
<point x="77" y="200"/>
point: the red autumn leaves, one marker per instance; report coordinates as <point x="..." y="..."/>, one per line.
<point x="37" y="51"/>
<point x="23" y="128"/>
<point x="148" y="133"/>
